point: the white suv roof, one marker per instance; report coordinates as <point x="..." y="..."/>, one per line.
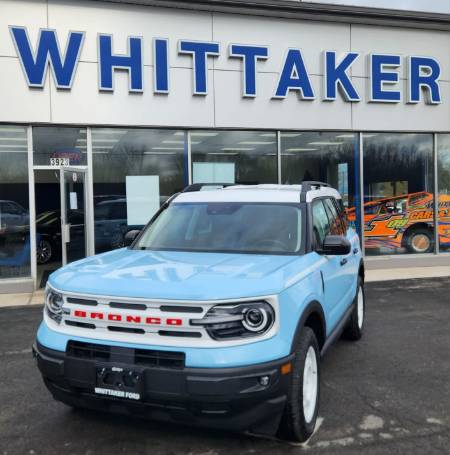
<point x="255" y="193"/>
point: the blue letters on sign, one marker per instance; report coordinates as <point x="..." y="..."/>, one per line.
<point x="384" y="70"/>
<point x="48" y="53"/>
<point x="131" y="62"/>
<point x="424" y="73"/>
<point x="294" y="77"/>
<point x="250" y="55"/>
<point x="336" y="76"/>
<point x="200" y="52"/>
<point x="380" y="78"/>
<point x="161" y="65"/>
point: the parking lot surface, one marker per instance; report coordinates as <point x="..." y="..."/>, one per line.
<point x="387" y="394"/>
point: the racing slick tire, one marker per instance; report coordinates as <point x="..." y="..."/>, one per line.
<point x="355" y="326"/>
<point x="419" y="241"/>
<point x="302" y="405"/>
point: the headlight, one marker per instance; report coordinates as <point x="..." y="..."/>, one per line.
<point x="225" y="322"/>
<point x="53" y="304"/>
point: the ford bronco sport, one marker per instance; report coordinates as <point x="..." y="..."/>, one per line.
<point x="217" y="314"/>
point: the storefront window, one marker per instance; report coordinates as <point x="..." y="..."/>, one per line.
<point x="59" y="146"/>
<point x="325" y="157"/>
<point x="14" y="217"/>
<point x="244" y="157"/>
<point x="398" y="193"/>
<point x="443" y="157"/>
<point x="135" y="171"/>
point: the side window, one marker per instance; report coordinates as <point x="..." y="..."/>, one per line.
<point x="321" y="224"/>
<point x="101" y="211"/>
<point x="336" y="227"/>
<point x="119" y="211"/>
<point x="12" y="208"/>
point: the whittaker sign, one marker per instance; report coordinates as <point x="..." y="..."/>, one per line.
<point x="422" y="75"/>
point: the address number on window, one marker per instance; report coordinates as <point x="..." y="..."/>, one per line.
<point x="59" y="161"/>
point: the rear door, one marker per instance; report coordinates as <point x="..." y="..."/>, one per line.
<point x="331" y="270"/>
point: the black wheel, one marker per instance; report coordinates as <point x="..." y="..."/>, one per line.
<point x="299" y="419"/>
<point x="420" y="240"/>
<point x="44" y="251"/>
<point x="354" y="329"/>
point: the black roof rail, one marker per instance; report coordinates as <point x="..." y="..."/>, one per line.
<point x="200" y="186"/>
<point x="308" y="185"/>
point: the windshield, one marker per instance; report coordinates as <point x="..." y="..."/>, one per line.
<point x="226" y="227"/>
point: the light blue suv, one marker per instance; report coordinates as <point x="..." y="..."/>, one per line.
<point x="217" y="313"/>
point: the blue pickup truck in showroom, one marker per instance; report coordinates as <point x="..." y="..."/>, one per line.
<point x="216" y="314"/>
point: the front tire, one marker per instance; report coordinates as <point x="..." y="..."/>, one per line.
<point x="355" y="326"/>
<point x="300" y="414"/>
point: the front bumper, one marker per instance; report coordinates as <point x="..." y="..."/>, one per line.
<point x="224" y="398"/>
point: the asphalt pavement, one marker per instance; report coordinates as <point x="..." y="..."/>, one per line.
<point x="386" y="394"/>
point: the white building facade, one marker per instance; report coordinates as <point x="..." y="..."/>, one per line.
<point x="111" y="107"/>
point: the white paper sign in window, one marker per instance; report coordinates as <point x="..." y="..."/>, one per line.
<point x="213" y="173"/>
<point x="73" y="199"/>
<point x="142" y="198"/>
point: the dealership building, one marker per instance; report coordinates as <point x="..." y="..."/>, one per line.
<point x="110" y="107"/>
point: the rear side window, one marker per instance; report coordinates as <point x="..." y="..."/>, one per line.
<point x="336" y="227"/>
<point x="321" y="223"/>
<point x="13" y="209"/>
<point x="342" y="213"/>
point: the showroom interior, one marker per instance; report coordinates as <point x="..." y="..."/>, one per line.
<point x="99" y="183"/>
<point x="95" y="138"/>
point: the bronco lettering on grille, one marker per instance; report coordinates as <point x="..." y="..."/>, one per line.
<point x="132" y="319"/>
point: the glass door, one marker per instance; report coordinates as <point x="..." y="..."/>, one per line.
<point x="73" y="214"/>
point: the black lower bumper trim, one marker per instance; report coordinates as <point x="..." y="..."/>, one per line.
<point x="237" y="399"/>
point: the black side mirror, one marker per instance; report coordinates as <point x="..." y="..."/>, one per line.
<point x="336" y="245"/>
<point x="130" y="236"/>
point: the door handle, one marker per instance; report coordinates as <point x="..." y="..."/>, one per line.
<point x="343" y="261"/>
<point x="355" y="250"/>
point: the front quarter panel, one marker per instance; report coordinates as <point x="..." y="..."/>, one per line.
<point x="295" y="299"/>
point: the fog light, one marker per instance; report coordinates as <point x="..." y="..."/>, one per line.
<point x="264" y="381"/>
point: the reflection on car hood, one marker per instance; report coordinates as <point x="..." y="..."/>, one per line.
<point x="179" y="275"/>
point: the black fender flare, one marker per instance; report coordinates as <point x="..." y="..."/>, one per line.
<point x="312" y="307"/>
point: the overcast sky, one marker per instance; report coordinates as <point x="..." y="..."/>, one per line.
<point x="435" y="6"/>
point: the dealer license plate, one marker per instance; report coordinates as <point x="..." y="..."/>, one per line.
<point x="119" y="382"/>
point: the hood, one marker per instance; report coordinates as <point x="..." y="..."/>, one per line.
<point x="177" y="275"/>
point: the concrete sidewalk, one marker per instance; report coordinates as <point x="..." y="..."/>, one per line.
<point x="407" y="273"/>
<point x="25" y="299"/>
<point x="37" y="297"/>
